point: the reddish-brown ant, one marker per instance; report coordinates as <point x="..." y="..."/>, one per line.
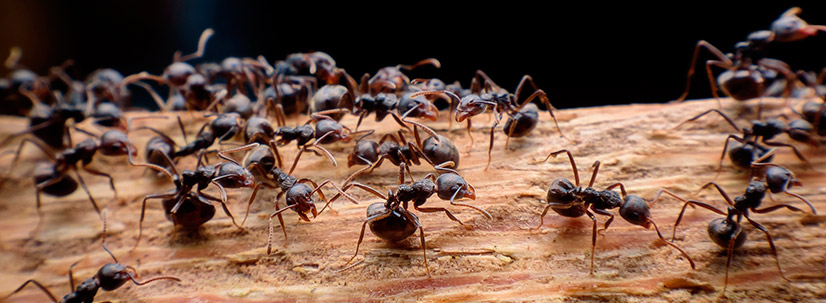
<point x="111" y="276"/>
<point x="572" y="200"/>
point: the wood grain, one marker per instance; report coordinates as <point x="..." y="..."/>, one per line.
<point x="491" y="260"/>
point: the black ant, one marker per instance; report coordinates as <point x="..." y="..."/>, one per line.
<point x="379" y="95"/>
<point x="391" y="220"/>
<point x="743" y="79"/>
<point x="181" y="76"/>
<point x="187" y="205"/>
<point x="317" y="64"/>
<point x="522" y="117"/>
<point x="727" y="232"/>
<point x="111" y="276"/>
<point x="50" y="124"/>
<point x="750" y="150"/>
<point x="332" y="96"/>
<point x="572" y="200"/>
<point x="436" y="150"/>
<point x="54" y="179"/>
<point x="297" y="194"/>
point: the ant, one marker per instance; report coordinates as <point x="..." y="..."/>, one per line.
<point x="437" y="150"/>
<point x="379" y="95"/>
<point x="297" y="194"/>
<point x="109" y="277"/>
<point x="572" y="200"/>
<point x="317" y="64"/>
<point x="743" y="79"/>
<point x="332" y="96"/>
<point x="54" y="179"/>
<point x="187" y="205"/>
<point x="181" y="76"/>
<point x="522" y="117"/>
<point x="50" y="124"/>
<point x="391" y="220"/>
<point x="750" y="150"/>
<point x="727" y="232"/>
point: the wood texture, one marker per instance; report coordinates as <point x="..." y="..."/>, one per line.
<point x="490" y="260"/>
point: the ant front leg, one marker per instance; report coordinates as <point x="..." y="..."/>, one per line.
<point x="607" y="223"/>
<point x="715" y="52"/>
<point x="102" y="174"/>
<point x="361" y="235"/>
<point x="497" y="117"/>
<point x="36" y="283"/>
<point x="283" y="227"/>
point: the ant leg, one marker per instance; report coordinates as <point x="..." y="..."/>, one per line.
<point x="45" y="150"/>
<point x="201" y="46"/>
<point x="359" y="185"/>
<point x="544" y="98"/>
<point x="223" y="205"/>
<point x="593" y="238"/>
<point x="283" y="227"/>
<point x="573" y="164"/>
<point x="470" y="135"/>
<point x="421" y="233"/>
<point x="714" y="51"/>
<point x="796" y="151"/>
<point x="714" y="110"/>
<point x="71" y="275"/>
<point x="682" y="211"/>
<point x="607" y="223"/>
<point x="102" y="174"/>
<point x="359" y="171"/>
<point x="671" y="244"/>
<point x="490" y="145"/>
<point x="814" y="212"/>
<point x="143" y="213"/>
<point x="438" y="209"/>
<point x="595" y="166"/>
<point x="31" y="129"/>
<point x="361" y="235"/>
<point x="38" y="189"/>
<point x="452" y="202"/>
<point x="730" y="254"/>
<point x="162" y="105"/>
<point x="222" y="153"/>
<point x="710" y="75"/>
<point x="542" y="217"/>
<point x="771" y="245"/>
<point x="622" y="188"/>
<point x="772" y="208"/>
<point x="88" y="193"/>
<point x="325" y="182"/>
<point x="722" y="192"/>
<point x="43" y="288"/>
<point x="723" y="154"/>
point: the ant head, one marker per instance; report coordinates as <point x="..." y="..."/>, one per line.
<point x="636" y="211"/>
<point x="452" y="186"/>
<point x="790" y="27"/>
<point x="469" y="106"/>
<point x="178" y="73"/>
<point x="114" y="143"/>
<point x="112" y="276"/>
<point x="301" y="196"/>
<point x="780" y="179"/>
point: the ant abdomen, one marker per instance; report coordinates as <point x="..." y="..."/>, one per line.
<point x="395" y="227"/>
<point x="45" y="172"/>
<point x="191" y="214"/>
<point x="721" y="230"/>
<point x="525" y="121"/>
<point x="441" y="151"/>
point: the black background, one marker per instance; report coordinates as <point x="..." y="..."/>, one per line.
<point x="583" y="54"/>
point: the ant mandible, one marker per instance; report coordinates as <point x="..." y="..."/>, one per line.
<point x="111" y="276"/>
<point x="572" y="200"/>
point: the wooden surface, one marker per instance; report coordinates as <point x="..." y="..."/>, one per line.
<point x="491" y="260"/>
